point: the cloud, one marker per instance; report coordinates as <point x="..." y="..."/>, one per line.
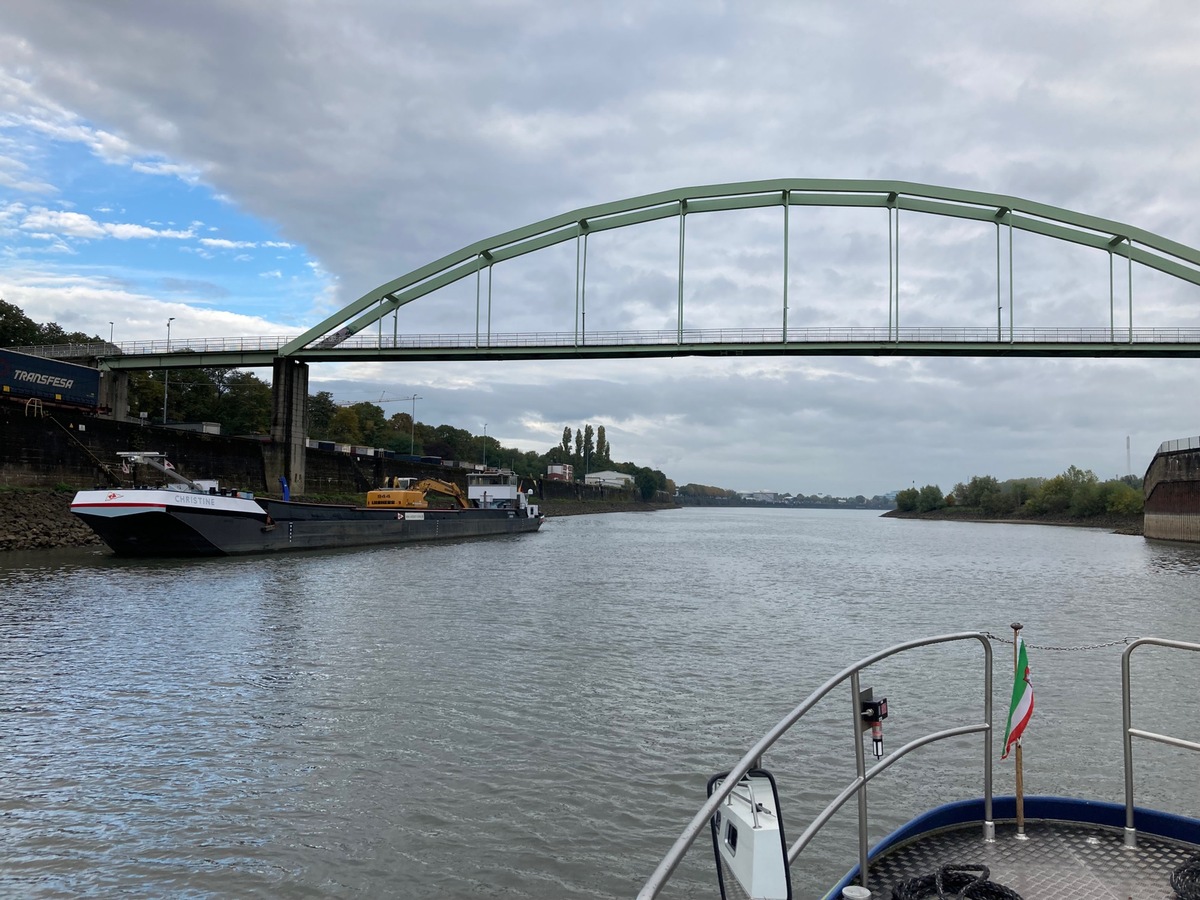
<point x="495" y="116"/>
<point x="79" y="225"/>
<point x="224" y="244"/>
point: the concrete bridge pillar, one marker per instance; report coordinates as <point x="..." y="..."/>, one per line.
<point x="114" y="393"/>
<point x="289" y="424"/>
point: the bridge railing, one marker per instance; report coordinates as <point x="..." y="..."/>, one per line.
<point x="776" y="335"/>
<point x="1191" y="443"/>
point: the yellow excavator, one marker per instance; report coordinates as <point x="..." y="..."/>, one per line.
<point x="403" y="493"/>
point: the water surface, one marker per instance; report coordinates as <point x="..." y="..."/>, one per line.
<point x="536" y="716"/>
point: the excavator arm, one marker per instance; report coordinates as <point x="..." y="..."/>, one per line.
<point x="446" y="488"/>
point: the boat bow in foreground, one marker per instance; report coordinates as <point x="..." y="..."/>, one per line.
<point x="1035" y="848"/>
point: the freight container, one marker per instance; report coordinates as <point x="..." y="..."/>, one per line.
<point x="34" y="377"/>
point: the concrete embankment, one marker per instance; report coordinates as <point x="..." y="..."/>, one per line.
<point x="1172" y="492"/>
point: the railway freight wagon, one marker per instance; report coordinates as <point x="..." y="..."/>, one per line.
<point x="25" y="377"/>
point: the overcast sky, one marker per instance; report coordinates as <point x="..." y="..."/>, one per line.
<point x="248" y="168"/>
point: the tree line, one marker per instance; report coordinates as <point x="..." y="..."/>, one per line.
<point x="1077" y="493"/>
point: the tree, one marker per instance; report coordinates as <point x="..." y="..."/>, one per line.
<point x="579" y="445"/>
<point x="343" y="428"/>
<point x="976" y="492"/>
<point x="16" y="328"/>
<point x="589" y="449"/>
<point x="930" y="498"/>
<point x="602" y="455"/>
<point x="321" y="410"/>
<point x="646" y="483"/>
<point x="906" y="500"/>
<point x="244" y="405"/>
<point x="566" y="440"/>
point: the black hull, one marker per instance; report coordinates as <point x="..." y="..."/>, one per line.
<point x="295" y="526"/>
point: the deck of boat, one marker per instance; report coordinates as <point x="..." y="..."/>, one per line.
<point x="1056" y="860"/>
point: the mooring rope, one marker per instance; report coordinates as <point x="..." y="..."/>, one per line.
<point x="967" y="882"/>
<point x="1185" y="880"/>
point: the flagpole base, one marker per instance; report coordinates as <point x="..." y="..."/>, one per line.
<point x="989" y="832"/>
<point x="1131" y="838"/>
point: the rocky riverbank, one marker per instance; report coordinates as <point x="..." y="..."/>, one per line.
<point x="41" y="520"/>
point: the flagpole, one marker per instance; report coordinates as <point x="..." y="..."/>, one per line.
<point x="1020" y="787"/>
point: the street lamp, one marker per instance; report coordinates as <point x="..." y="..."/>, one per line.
<point x="167" y="372"/>
<point x="413" y="434"/>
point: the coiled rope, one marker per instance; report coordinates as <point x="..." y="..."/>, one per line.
<point x="1185" y="880"/>
<point x="955" y="883"/>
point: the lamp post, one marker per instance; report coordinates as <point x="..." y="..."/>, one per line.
<point x="413" y="433"/>
<point x="485" y="445"/>
<point x="167" y="372"/>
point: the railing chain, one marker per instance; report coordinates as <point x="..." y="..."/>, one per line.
<point x="1119" y="642"/>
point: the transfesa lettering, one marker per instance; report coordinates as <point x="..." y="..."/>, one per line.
<point x="39" y="378"/>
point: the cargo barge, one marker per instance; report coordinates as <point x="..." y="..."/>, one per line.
<point x="1171" y="491"/>
<point x="181" y="517"/>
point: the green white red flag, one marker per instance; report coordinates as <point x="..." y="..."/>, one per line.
<point x="1022" y="701"/>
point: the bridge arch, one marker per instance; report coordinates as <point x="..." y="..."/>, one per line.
<point x="1118" y="240"/>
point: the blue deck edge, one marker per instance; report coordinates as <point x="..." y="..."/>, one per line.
<point x="1059" y="809"/>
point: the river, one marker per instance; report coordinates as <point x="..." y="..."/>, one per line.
<point x="536" y="716"/>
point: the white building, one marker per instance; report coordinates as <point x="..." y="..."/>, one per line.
<point x="609" y="479"/>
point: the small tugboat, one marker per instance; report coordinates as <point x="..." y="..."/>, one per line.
<point x="1008" y="848"/>
<point x="182" y="517"/>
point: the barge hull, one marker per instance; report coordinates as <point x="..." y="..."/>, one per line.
<point x="283" y="527"/>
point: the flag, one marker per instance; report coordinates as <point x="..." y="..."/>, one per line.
<point x="1022" y="701"/>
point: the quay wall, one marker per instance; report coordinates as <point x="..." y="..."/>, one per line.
<point x="66" y="449"/>
<point x="1172" y="496"/>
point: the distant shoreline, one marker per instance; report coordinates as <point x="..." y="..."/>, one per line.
<point x="1129" y="525"/>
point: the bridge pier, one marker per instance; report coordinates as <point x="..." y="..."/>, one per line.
<point x="289" y="424"/>
<point x="114" y="393"/>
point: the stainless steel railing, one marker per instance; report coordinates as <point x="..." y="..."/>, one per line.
<point x="1128" y="732"/>
<point x="857" y="787"/>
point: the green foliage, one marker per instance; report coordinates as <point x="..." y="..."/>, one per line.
<point x="321" y="409"/>
<point x="930" y="498"/>
<point x="707" y="492"/>
<point x="344" y="426"/>
<point x="16" y="328"/>
<point x="646" y="483"/>
<point x="976" y="492"/>
<point x="1122" y="499"/>
<point x="906" y="500"/>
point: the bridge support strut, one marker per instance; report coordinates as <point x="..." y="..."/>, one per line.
<point x="289" y="424"/>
